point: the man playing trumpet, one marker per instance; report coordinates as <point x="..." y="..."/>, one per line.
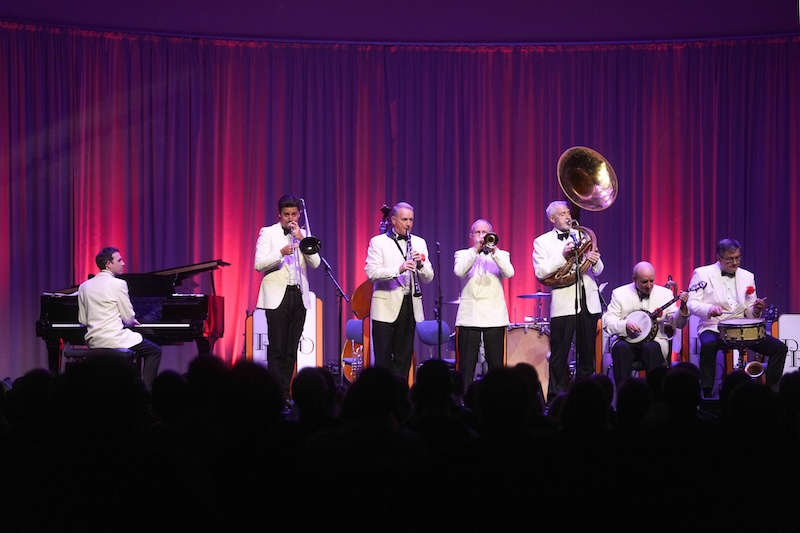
<point x="482" y="310"/>
<point x="642" y="294"/>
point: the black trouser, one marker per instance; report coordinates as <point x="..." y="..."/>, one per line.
<point x="623" y="354"/>
<point x="284" y="329"/>
<point x="468" y="343"/>
<point x="710" y="343"/>
<point x="562" y="328"/>
<point x="393" y="342"/>
<point x="150" y="354"/>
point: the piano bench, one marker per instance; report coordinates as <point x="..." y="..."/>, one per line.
<point x="73" y="354"/>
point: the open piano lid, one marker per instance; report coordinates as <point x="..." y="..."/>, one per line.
<point x="160" y="282"/>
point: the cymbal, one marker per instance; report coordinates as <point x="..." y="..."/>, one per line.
<point x="535" y="295"/>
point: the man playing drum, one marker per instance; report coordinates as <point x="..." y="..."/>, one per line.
<point x="629" y="336"/>
<point x="730" y="294"/>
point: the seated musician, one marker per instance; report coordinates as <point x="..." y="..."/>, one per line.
<point x="106" y="311"/>
<point x="641" y="295"/>
<point x="482" y="310"/>
<point x="730" y="292"/>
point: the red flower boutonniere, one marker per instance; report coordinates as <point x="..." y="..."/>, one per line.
<point x="749" y="290"/>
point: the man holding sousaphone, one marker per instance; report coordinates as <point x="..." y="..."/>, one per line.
<point x="567" y="259"/>
<point x="730" y="315"/>
<point x="638" y="321"/>
<point x="555" y="252"/>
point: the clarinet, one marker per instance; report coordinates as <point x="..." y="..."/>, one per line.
<point x="414" y="276"/>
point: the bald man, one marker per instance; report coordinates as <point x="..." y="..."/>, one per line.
<point x="642" y="294"/>
<point x="482" y="311"/>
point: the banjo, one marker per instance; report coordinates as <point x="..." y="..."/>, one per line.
<point x="648" y="320"/>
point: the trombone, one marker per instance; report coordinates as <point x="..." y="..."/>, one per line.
<point x="309" y="245"/>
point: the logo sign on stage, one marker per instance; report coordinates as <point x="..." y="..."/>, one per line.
<point x="789" y="334"/>
<point x="307" y="349"/>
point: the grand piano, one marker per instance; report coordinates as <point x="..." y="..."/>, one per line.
<point x="166" y="317"/>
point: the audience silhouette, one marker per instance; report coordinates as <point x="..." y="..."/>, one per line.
<point x="92" y="450"/>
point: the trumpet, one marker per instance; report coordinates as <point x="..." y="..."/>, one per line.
<point x="489" y="243"/>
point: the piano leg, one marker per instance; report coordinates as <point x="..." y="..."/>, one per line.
<point x="54" y="349"/>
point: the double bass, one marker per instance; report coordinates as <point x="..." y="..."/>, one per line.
<point x="353" y="355"/>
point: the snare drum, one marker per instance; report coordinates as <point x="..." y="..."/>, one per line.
<point x="742" y="331"/>
<point x="529" y="343"/>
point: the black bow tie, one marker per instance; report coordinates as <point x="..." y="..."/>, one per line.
<point x="643" y="296"/>
<point x="286" y="231"/>
<point x="401" y="237"/>
<point x="729" y="274"/>
<point x="563" y="235"/>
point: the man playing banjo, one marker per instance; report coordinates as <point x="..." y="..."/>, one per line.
<point x="730" y="298"/>
<point x="638" y="321"/>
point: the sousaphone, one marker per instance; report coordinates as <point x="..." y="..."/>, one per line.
<point x="588" y="181"/>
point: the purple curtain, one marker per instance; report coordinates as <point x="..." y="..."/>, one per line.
<point x="175" y="150"/>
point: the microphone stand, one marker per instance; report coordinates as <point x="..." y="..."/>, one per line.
<point x="342" y="296"/>
<point x="578" y="281"/>
<point x="438" y="306"/>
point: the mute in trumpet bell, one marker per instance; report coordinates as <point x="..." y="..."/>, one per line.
<point x="489" y="242"/>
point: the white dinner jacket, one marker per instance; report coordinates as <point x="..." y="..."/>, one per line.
<point x="275" y="267"/>
<point x="714" y="293"/>
<point x="104" y="308"/>
<point x="383" y="269"/>
<point x="547" y="258"/>
<point x="482" y="303"/>
<point x="625" y="300"/>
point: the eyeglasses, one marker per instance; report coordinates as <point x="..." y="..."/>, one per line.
<point x="733" y="259"/>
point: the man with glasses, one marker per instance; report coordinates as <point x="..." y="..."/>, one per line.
<point x="730" y="292"/>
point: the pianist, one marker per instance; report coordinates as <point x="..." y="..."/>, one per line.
<point x="284" y="290"/>
<point x="106" y="311"/>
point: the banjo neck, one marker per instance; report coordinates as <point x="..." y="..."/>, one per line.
<point x="656" y="312"/>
